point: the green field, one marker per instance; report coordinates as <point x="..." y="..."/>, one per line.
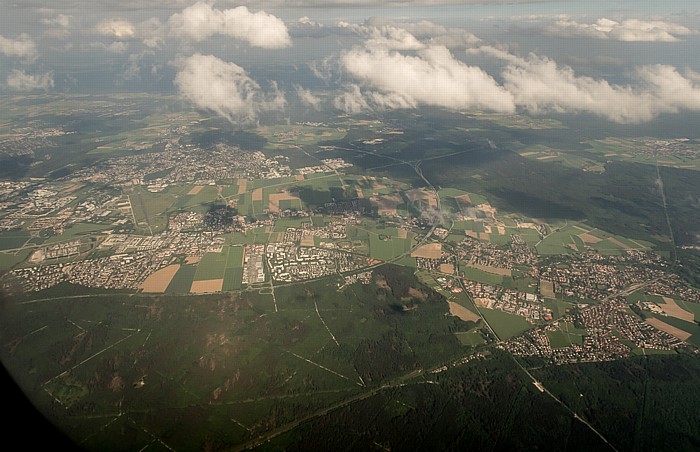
<point x="182" y="281"/>
<point x="282" y="224"/>
<point x="298" y="134"/>
<point x="506" y="325"/>
<point x="13" y="239"/>
<point x="559" y="307"/>
<point x="9" y="260"/>
<point x="474" y="274"/>
<point x="77" y="230"/>
<point x="692" y="307"/>
<point x="150" y="209"/>
<point x="212" y="266"/>
<point x="233" y="274"/>
<point x="470" y="338"/>
<point x="385" y="250"/>
<point x="563" y="339"/>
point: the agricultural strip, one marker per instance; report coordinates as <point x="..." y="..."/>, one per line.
<point x="672" y="330"/>
<point x="206" y="286"/>
<point x="463" y="313"/>
<point x="428" y="251"/>
<point x="671" y="308"/>
<point x="159" y="281"/>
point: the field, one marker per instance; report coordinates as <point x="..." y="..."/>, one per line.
<point x="202" y="286"/>
<point x="566" y="336"/>
<point x="470" y="337"/>
<point x="462" y="312"/>
<point x="474" y="274"/>
<point x="150" y="209"/>
<point x="182" y="281"/>
<point x="233" y="275"/>
<point x="428" y="251"/>
<point x="547" y="289"/>
<point x="211" y="267"/>
<point x="671" y="308"/>
<point x="578" y="237"/>
<point x="628" y="150"/>
<point x="387" y="247"/>
<point x="298" y="134"/>
<point x="680" y="328"/>
<point x="506" y="325"/>
<point x="387" y="204"/>
<point x="13" y="239"/>
<point x="159" y="281"/>
<point x="77" y="230"/>
<point x="493" y="270"/>
<point x="670" y="329"/>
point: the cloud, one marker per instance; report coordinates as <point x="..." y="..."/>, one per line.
<point x="118" y="28"/>
<point x="388" y="33"/>
<point x="60" y="21"/>
<point x="539" y="85"/>
<point x="152" y="31"/>
<point x="21" y="81"/>
<point x="22" y="47"/>
<point x="630" y="30"/>
<point x="351" y="101"/>
<point x="225" y="89"/>
<point x="434" y="34"/>
<point x="383" y="36"/>
<point x="200" y="21"/>
<point x="115" y="47"/>
<point x="389" y="79"/>
<point x="306" y="97"/>
<point x="431" y="77"/>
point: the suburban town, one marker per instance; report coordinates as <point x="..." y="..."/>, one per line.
<point x="258" y="235"/>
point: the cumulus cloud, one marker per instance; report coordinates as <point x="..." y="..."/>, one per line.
<point x="391" y="79"/>
<point x="61" y="21"/>
<point x="114" y="47"/>
<point x="385" y="36"/>
<point x="225" y="89"/>
<point x="306" y="97"/>
<point x="433" y="76"/>
<point x="152" y="32"/>
<point x="630" y="30"/>
<point x="434" y="34"/>
<point x="21" y="81"/>
<point x="22" y="47"/>
<point x="201" y="21"/>
<point x="351" y="101"/>
<point x="539" y="85"/>
<point x="118" y="28"/>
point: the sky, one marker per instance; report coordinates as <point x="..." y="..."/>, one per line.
<point x="622" y="61"/>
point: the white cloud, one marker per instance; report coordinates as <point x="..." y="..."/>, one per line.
<point x="200" y="21"/>
<point x="61" y="21"/>
<point x="630" y="30"/>
<point x="22" y="47"/>
<point x="539" y="85"/>
<point x="115" y="47"/>
<point x="434" y="34"/>
<point x="225" y="89"/>
<point x="21" y="81"/>
<point x="432" y="77"/>
<point x="351" y="101"/>
<point x="306" y="97"/>
<point x="152" y="31"/>
<point x="119" y="28"/>
<point x="383" y="36"/>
